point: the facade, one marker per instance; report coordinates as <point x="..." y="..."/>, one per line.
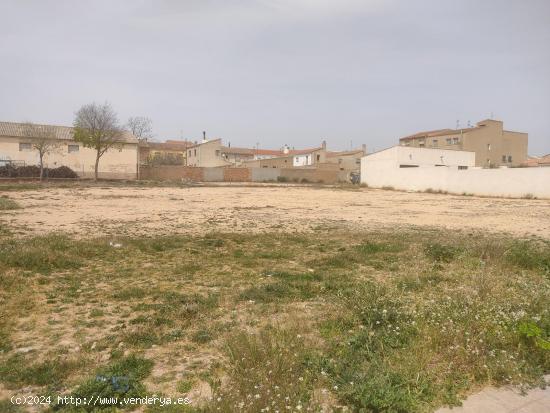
<point x="493" y="145"/>
<point x="119" y="162"/>
<point x="438" y="170"/>
<point x="347" y="160"/>
<point x="171" y="152"/>
<point x="207" y="154"/>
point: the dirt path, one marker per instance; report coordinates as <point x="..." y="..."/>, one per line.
<point x="130" y="210"/>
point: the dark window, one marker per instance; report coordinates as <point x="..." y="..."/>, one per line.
<point x="408" y="166"/>
<point x="72" y="148"/>
<point x="510" y="158"/>
<point x="462" y="167"/>
<point x="25" y="146"/>
<point x="318" y="158"/>
<point x="503" y="158"/>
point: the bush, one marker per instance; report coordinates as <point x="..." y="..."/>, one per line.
<point x="282" y="179"/>
<point x="33" y="171"/>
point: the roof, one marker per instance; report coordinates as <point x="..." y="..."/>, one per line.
<point x="302" y="151"/>
<point x="344" y="153"/>
<point x="168" y="145"/>
<point x="413" y="148"/>
<point x="538" y="161"/>
<point x="438" y="132"/>
<point x="18" y="130"/>
<point x="235" y="150"/>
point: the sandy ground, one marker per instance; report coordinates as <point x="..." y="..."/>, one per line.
<point x="129" y="211"/>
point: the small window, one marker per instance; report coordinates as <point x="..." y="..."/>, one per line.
<point x="455" y="141"/>
<point x="25" y="147"/>
<point x="318" y="158"/>
<point x="408" y="166"/>
<point x="358" y="161"/>
<point x="434" y="142"/>
<point x="217" y="152"/>
<point x="189" y="153"/>
<point x="503" y="158"/>
<point x="421" y="145"/>
<point x="510" y="158"/>
<point x="462" y="167"/>
<point x="72" y="148"/>
<point x="194" y="152"/>
<point x="449" y="141"/>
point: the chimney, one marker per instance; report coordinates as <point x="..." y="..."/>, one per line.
<point x="204" y="137"/>
<point x="324" y="145"/>
<point x="285" y="149"/>
<point x="364" y="147"/>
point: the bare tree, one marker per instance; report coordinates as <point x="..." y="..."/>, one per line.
<point x="43" y="140"/>
<point x="96" y="126"/>
<point x="141" y="127"/>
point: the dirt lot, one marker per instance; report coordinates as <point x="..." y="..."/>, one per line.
<point x="197" y="210"/>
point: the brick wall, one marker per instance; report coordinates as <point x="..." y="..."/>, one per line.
<point x="171" y="173"/>
<point x="236" y="175"/>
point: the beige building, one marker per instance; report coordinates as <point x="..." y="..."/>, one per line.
<point x="171" y="152"/>
<point x="492" y="145"/>
<point x="347" y="160"/>
<point x="119" y="162"/>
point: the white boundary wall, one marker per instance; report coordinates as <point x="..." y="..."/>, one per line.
<point x="505" y="182"/>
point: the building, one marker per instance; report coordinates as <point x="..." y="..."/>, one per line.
<point x="450" y="171"/>
<point x="290" y="158"/>
<point x="347" y="160"/>
<point x="536" y="161"/>
<point x="492" y="145"/>
<point x="171" y="152"/>
<point x="119" y="162"/>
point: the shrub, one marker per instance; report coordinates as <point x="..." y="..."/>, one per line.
<point x="33" y="171"/>
<point x="282" y="179"/>
<point x="8" y="204"/>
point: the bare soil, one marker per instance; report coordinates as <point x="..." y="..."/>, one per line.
<point x="152" y="210"/>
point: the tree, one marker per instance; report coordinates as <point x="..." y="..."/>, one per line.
<point x="141" y="127"/>
<point x="96" y="126"/>
<point x="44" y="140"/>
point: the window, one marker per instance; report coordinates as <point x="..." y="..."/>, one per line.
<point x="455" y="141"/>
<point x="189" y="153"/>
<point x="73" y="148"/>
<point x="408" y="166"/>
<point x="503" y="158"/>
<point x="462" y="167"/>
<point x="217" y="152"/>
<point x="194" y="152"/>
<point x="434" y="142"/>
<point x="358" y="161"/>
<point x="339" y="161"/>
<point x="510" y="158"/>
<point x="25" y="147"/>
<point x="421" y="144"/>
<point x="449" y="141"/>
<point x="318" y="158"/>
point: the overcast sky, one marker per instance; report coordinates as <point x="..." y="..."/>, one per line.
<point x="282" y="71"/>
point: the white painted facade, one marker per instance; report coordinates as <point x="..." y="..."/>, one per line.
<point x="302" y="160"/>
<point x="420" y="169"/>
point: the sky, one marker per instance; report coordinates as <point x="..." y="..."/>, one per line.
<point x="275" y="72"/>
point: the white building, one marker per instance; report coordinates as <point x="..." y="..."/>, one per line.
<point x="421" y="169"/>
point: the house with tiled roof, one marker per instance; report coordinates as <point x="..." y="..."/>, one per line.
<point x="18" y="140"/>
<point x="493" y="145"/>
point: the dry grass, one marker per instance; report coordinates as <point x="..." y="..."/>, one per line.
<point x="382" y="321"/>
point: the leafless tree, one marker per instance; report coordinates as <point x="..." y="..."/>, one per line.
<point x="43" y="140"/>
<point x="96" y="126"/>
<point x="141" y="127"/>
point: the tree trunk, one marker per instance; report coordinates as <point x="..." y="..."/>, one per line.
<point x="41" y="167"/>
<point x="96" y="166"/>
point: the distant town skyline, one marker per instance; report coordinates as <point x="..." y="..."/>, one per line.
<point x="278" y="72"/>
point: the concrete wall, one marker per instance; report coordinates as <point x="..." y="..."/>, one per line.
<point x="506" y="182"/>
<point x="117" y="163"/>
<point x="178" y="173"/>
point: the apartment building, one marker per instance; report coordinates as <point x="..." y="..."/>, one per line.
<point x="493" y="145"/>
